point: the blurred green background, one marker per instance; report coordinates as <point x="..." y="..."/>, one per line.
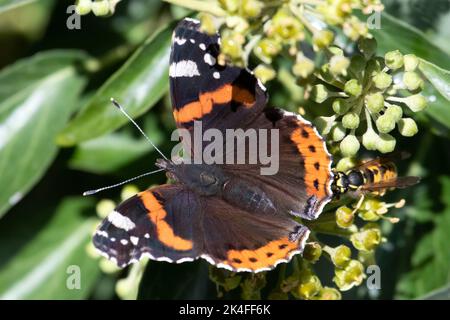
<point x="59" y="136"/>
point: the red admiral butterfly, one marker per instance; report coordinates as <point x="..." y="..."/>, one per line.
<point x="228" y="214"/>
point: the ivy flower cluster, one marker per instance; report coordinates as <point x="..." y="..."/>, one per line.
<point x="97" y="7"/>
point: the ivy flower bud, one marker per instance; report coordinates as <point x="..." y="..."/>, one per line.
<point x="350" y="120"/>
<point x="322" y="39"/>
<point x="344" y="217"/>
<point x="108" y="266"/>
<point x="370" y="139"/>
<point x="207" y="22"/>
<point x="338" y="132"/>
<point x="393" y="59"/>
<point x="100" y="8"/>
<point x="367" y="46"/>
<point x="345" y="163"/>
<point x="395" y="112"/>
<point x="382" y="80"/>
<point x="232" y="45"/>
<point x="353" y="87"/>
<point x="324" y="124"/>
<point x="349" y="146"/>
<point x="319" y="93"/>
<point x="367" y="239"/>
<point x="328" y="293"/>
<point x="104" y="207"/>
<point x="229" y="5"/>
<point x="412" y="80"/>
<point x="237" y="23"/>
<point x="357" y="64"/>
<point x="285" y="26"/>
<point x="341" y="106"/>
<point x="303" y="67"/>
<point x="312" y="252"/>
<point x="264" y="73"/>
<point x="340" y="256"/>
<point x="266" y="49"/>
<point x="411" y="62"/>
<point x="407" y="127"/>
<point x="386" y="143"/>
<point x="385" y="123"/>
<point x="373" y="66"/>
<point x="128" y="191"/>
<point x="374" y="102"/>
<point x="352" y="275"/>
<point x="310" y="288"/>
<point x="83" y="7"/>
<point x="416" y="102"/>
<point x="339" y="65"/>
<point x="252" y="8"/>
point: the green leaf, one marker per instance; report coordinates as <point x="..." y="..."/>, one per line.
<point x="430" y="263"/>
<point x="56" y="239"/>
<point x="439" y="77"/>
<point x="439" y="294"/>
<point x="37" y="97"/>
<point x="12" y="4"/>
<point x="137" y="86"/>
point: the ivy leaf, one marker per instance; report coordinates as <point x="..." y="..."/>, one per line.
<point x="431" y="258"/>
<point x="137" y="86"/>
<point x="37" y="97"/>
<point x="37" y="258"/>
<point x="439" y="77"/>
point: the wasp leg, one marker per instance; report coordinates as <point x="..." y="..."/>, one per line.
<point x="359" y="204"/>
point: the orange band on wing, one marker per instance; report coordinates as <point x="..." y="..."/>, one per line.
<point x="204" y="105"/>
<point x="316" y="160"/>
<point x="164" y="231"/>
<point x="263" y="257"/>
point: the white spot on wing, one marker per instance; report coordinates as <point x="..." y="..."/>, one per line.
<point x="202" y="46"/>
<point x="192" y="40"/>
<point x="120" y="221"/>
<point x="183" y="68"/>
<point x="134" y="240"/>
<point x="147" y="236"/>
<point x="216" y="75"/>
<point x="124" y="242"/>
<point x="209" y="59"/>
<point x="102" y="233"/>
<point x="179" y="41"/>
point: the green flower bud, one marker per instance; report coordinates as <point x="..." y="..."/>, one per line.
<point x="322" y="39"/>
<point x="104" y="207"/>
<point x="352" y="275"/>
<point x="232" y="45"/>
<point x="207" y="22"/>
<point x="394" y="111"/>
<point x="328" y="293"/>
<point x="382" y="80"/>
<point x="357" y="64"/>
<point x="367" y="46"/>
<point x="416" y="102"/>
<point x="91" y="251"/>
<point x="345" y="164"/>
<point x="339" y="65"/>
<point x="312" y="252"/>
<point x="108" y="266"/>
<point x="385" y="123"/>
<point x="340" y="256"/>
<point x="411" y="62"/>
<point x="319" y="93"/>
<point x="344" y="217"/>
<point x="394" y="59"/>
<point x="230" y="5"/>
<point x="303" y="67"/>
<point x="252" y="8"/>
<point x="309" y="289"/>
<point x="285" y="26"/>
<point x="237" y="23"/>
<point x="336" y="51"/>
<point x="350" y="120"/>
<point x="349" y="146"/>
<point x="264" y="73"/>
<point x="266" y="49"/>
<point x="341" y="106"/>
<point x="100" y="8"/>
<point x="373" y="67"/>
<point x="367" y="239"/>
<point x="324" y="124"/>
<point x="386" y="143"/>
<point x="128" y="191"/>
<point x="370" y="139"/>
<point x="353" y="87"/>
<point x="374" y="102"/>
<point x="407" y="127"/>
<point x="368" y="215"/>
<point x="412" y="80"/>
<point x="338" y="132"/>
<point x="83" y="7"/>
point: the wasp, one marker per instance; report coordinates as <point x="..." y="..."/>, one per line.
<point x="374" y="177"/>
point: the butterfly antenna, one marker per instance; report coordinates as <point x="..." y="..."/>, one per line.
<point x="137" y="126"/>
<point x="91" y="192"/>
